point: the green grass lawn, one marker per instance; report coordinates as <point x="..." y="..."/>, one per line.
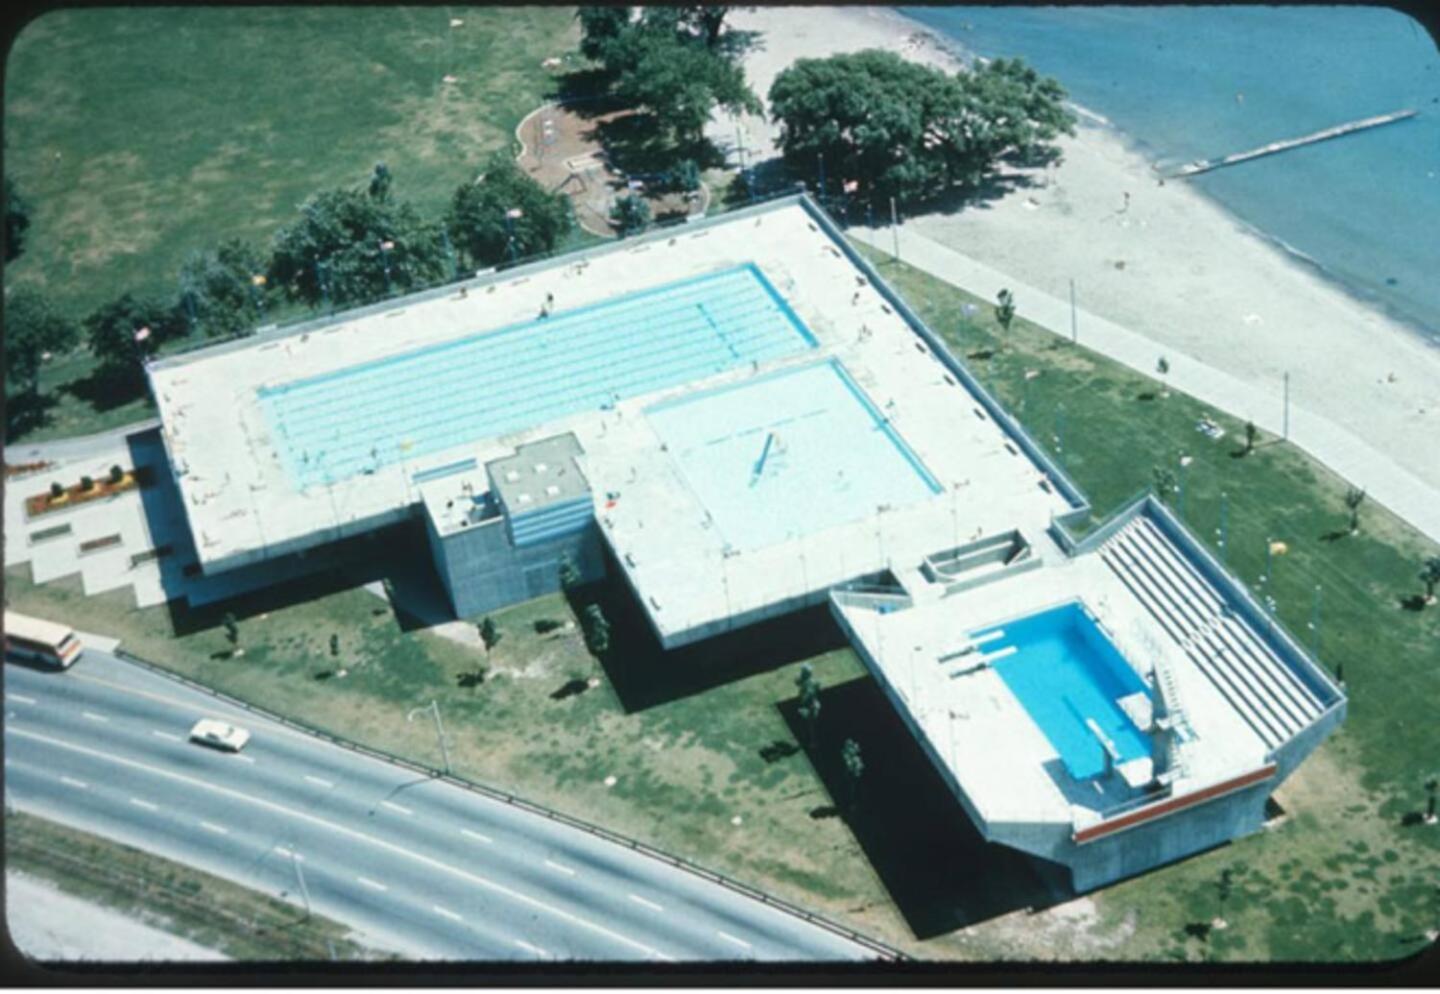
<point x="701" y="737"/>
<point x="139" y="135"/>
<point x="238" y="922"/>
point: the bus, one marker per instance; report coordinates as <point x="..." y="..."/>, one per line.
<point x="40" y="641"/>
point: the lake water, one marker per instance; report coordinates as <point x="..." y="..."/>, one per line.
<point x="1185" y="83"/>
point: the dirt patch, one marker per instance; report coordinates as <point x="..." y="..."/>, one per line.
<point x="563" y="150"/>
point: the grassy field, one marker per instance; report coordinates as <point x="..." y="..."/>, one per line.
<point x="703" y="737"/>
<point x="140" y="134"/>
<point x="242" y="924"/>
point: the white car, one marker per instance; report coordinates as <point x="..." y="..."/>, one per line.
<point x="219" y="734"/>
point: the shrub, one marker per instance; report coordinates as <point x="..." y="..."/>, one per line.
<point x="87" y="483"/>
<point x="116" y="474"/>
<point x="544" y="626"/>
<point x="56" y="490"/>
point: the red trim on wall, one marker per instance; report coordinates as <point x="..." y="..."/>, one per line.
<point x="1170" y="805"/>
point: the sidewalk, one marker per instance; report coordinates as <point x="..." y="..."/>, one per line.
<point x="1351" y="457"/>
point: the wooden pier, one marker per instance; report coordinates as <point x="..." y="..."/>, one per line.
<point x="1205" y="165"/>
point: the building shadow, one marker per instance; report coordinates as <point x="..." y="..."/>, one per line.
<point x="643" y="674"/>
<point x="26" y="412"/>
<point x="938" y="869"/>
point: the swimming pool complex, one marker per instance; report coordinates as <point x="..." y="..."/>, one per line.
<point x="360" y="418"/>
<point x="1064" y="671"/>
<point x="788" y="453"/>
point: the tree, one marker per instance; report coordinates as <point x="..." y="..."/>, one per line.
<point x="630" y="215"/>
<point x="898" y="128"/>
<point x="1430" y="576"/>
<point x="854" y="768"/>
<point x="17" y="220"/>
<point x="220" y="290"/>
<point x="685" y="177"/>
<point x="681" y="81"/>
<point x="87" y="483"/>
<point x="1164" y="481"/>
<point x="380" y="182"/>
<point x="1250" y="434"/>
<point x="599" y="28"/>
<point x="334" y="644"/>
<point x="116" y="474"/>
<point x="569" y="575"/>
<point x="1223" y="889"/>
<point x="232" y="628"/>
<point x="352" y="248"/>
<point x="32" y="329"/>
<point x="482" y="216"/>
<point x="809" y="708"/>
<point x="1005" y="309"/>
<point x="128" y="330"/>
<point x="1353" y="499"/>
<point x="597" y="630"/>
<point x="1432" y="785"/>
<point x="56" y="490"/>
<point x="489" y="634"/>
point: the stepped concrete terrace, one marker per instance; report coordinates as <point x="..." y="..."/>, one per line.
<point x="1228" y="721"/>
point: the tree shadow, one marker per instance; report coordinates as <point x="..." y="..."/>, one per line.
<point x="585" y="92"/>
<point x="1336" y="535"/>
<point x="1413" y="602"/>
<point x="570" y="688"/>
<point x="824" y="811"/>
<point x="1146" y="395"/>
<point x="938" y="869"/>
<point x="778" y="750"/>
<point x="26" y="412"/>
<point x="471" y="679"/>
<point x="106" y="388"/>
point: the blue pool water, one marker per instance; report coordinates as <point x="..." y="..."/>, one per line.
<point x="788" y="454"/>
<point x="403" y="407"/>
<point x="1064" y="671"/>
<point x="1365" y="207"/>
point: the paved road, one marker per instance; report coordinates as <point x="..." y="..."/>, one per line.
<point x="77" y="447"/>
<point x="413" y="864"/>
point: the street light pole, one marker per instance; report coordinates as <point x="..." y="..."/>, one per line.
<point x="385" y="248"/>
<point x="300" y="876"/>
<point x="895" y="228"/>
<point x="434" y="709"/>
<point x="1286" y="433"/>
<point x="1074" y="324"/>
<point x="1224" y="515"/>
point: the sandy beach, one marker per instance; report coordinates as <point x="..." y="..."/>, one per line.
<point x="1166" y="261"/>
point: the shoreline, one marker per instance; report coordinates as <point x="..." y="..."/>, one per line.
<point x="1168" y="261"/>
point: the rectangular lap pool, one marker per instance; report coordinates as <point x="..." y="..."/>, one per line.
<point x="1065" y="670"/>
<point x="788" y="454"/>
<point x="360" y="418"/>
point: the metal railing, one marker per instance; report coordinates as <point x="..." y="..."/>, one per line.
<point x="880" y="949"/>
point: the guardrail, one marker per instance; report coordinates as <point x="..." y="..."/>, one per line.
<point x="880" y="949"/>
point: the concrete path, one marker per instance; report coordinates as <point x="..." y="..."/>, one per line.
<point x="411" y="863"/>
<point x="80" y="447"/>
<point x="1385" y="481"/>
<point x="49" y="925"/>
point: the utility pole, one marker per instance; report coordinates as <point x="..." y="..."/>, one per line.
<point x="1315" y="619"/>
<point x="1286" y="433"/>
<point x="1074" y="324"/>
<point x="434" y="709"/>
<point x="822" y="179"/>
<point x="300" y="876"/>
<point x="895" y="228"/>
<point x="1224" y="515"/>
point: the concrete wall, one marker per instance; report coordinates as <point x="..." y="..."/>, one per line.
<point x="1165" y="840"/>
<point x="482" y="570"/>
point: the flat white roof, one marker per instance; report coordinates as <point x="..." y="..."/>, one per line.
<point x="242" y="486"/>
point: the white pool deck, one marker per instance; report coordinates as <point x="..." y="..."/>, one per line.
<point x="244" y="507"/>
<point x="965" y="718"/>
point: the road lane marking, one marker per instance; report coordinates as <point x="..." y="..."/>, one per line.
<point x="168" y="736"/>
<point x="557" y="866"/>
<point x="531" y="949"/>
<point x="212" y="827"/>
<point x="244" y="759"/>
<point x="320" y="781"/>
<point x="397" y="807"/>
<point x="288" y="854"/>
<point x="446" y="912"/>
<point x="21" y="698"/>
<point x="351" y="833"/>
<point x="72" y="782"/>
<point x="476" y="835"/>
<point x="648" y="904"/>
<point x="93" y="716"/>
<point x="366" y="881"/>
<point x="144" y="804"/>
<point x="730" y="938"/>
